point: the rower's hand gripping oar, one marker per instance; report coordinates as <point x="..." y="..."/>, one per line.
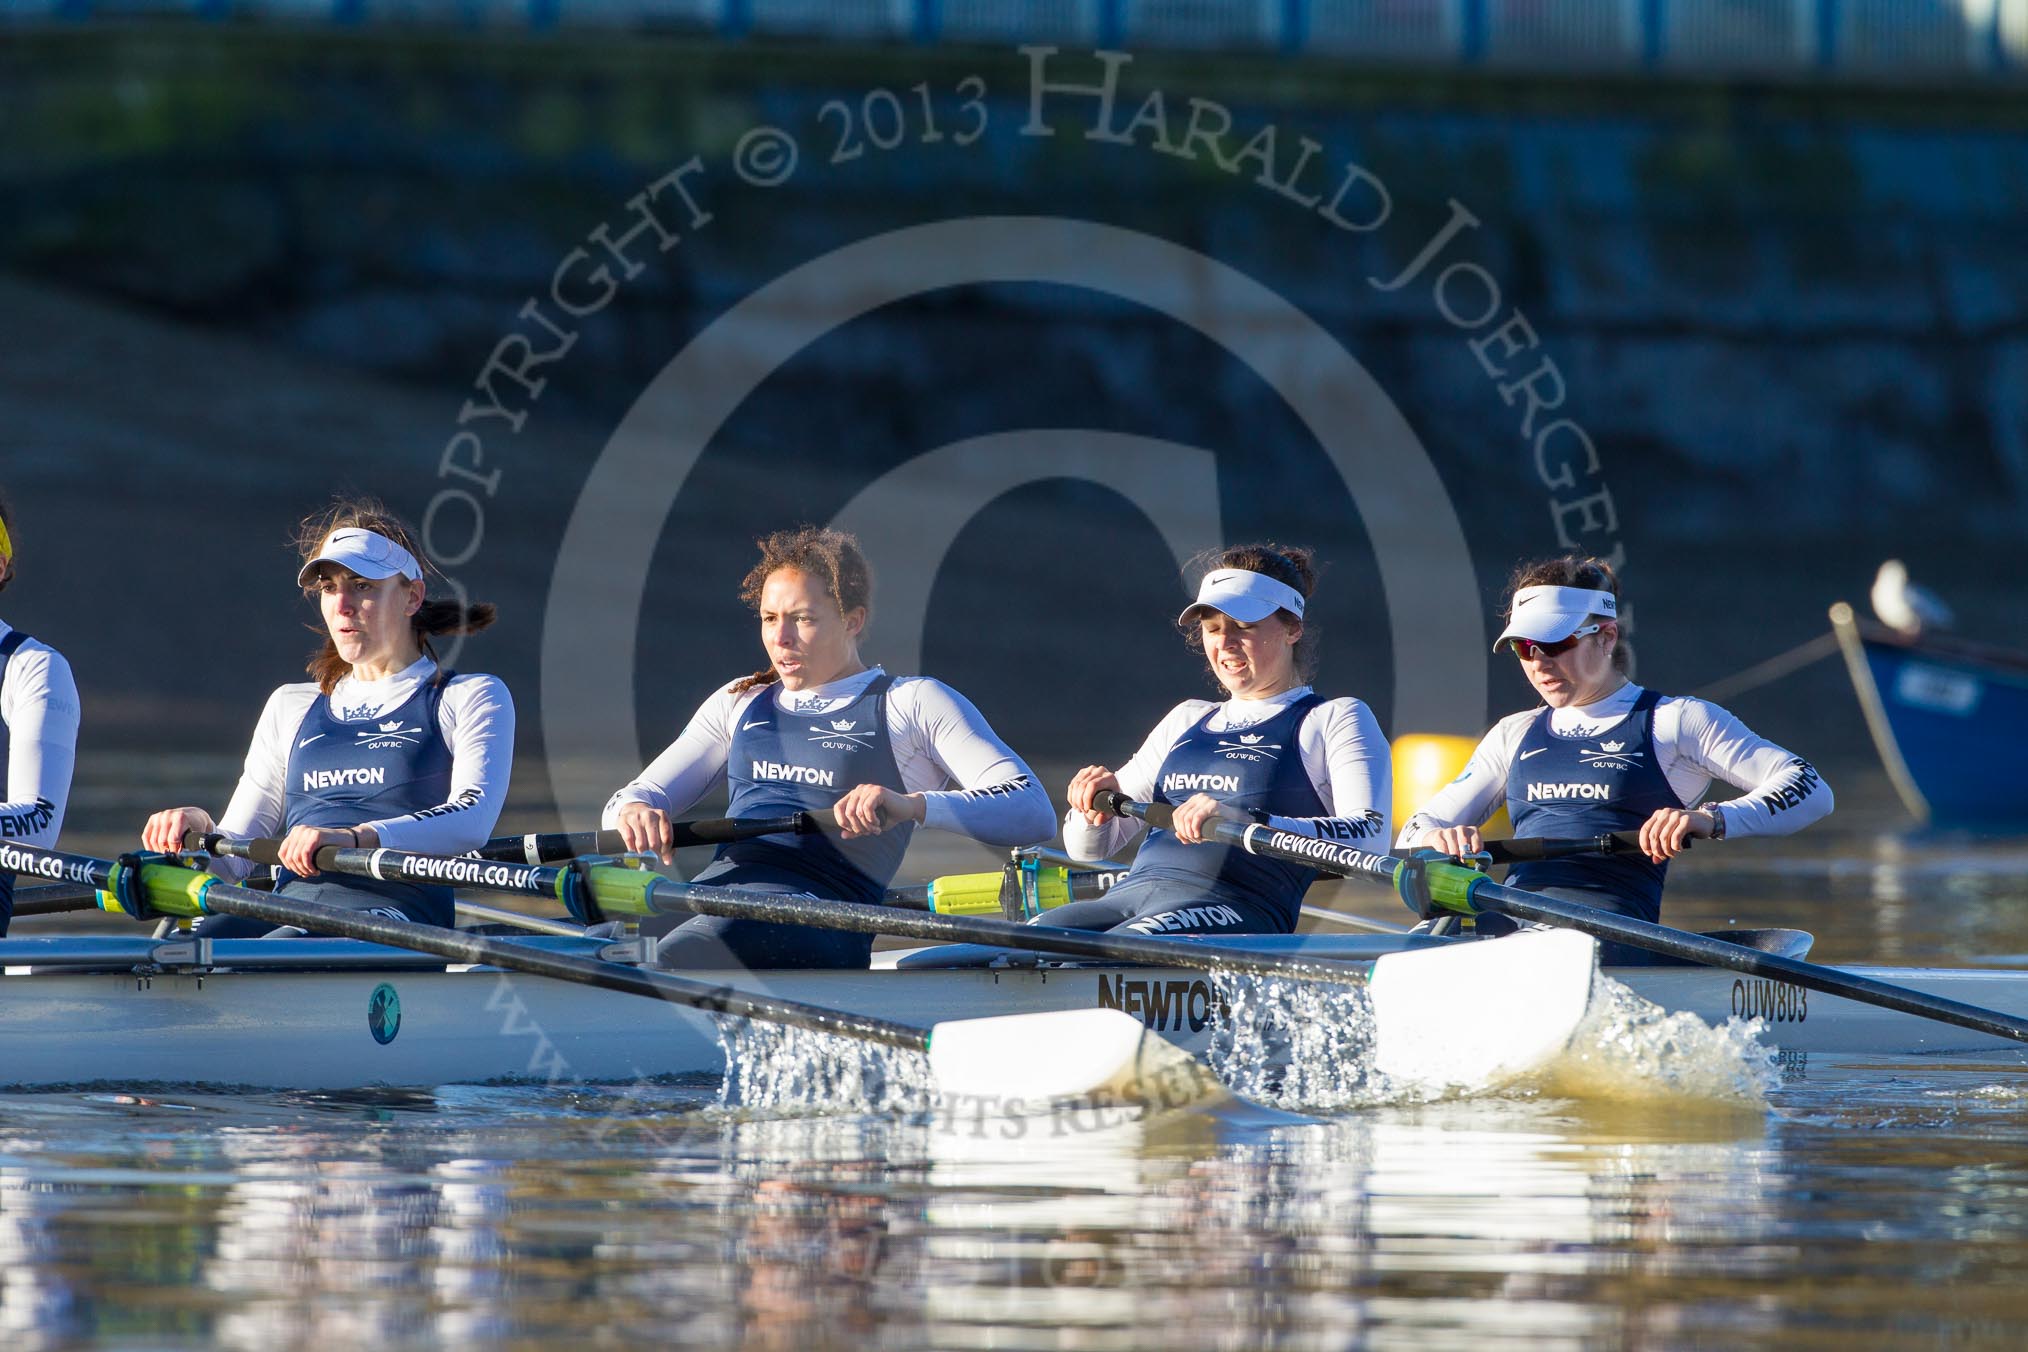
<point x="1431" y="880"/>
<point x="554" y="847"/>
<point x="1012" y="1062"/>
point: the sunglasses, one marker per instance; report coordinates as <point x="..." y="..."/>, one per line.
<point x="1527" y="649"/>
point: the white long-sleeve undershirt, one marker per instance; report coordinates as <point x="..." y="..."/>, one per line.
<point x="477" y="718"/>
<point x="939" y="740"/>
<point x="1695" y="743"/>
<point x="39" y="704"/>
<point x="1344" y="752"/>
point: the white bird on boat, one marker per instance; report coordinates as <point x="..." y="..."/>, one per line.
<point x="1904" y="606"/>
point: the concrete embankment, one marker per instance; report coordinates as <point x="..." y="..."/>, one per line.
<point x="255" y="267"/>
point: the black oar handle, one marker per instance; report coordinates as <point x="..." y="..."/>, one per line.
<point x="555" y="847"/>
<point x="1524" y="849"/>
<point x="1117" y="803"/>
<point x="1527" y="849"/>
<point x="552" y="847"/>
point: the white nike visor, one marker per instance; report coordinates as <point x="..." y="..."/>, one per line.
<point x="365" y="552"/>
<point x="1552" y="614"/>
<point x="1247" y="596"/>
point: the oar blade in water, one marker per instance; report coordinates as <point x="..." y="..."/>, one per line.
<point x="1096" y="1055"/>
<point x="1471" y="1017"/>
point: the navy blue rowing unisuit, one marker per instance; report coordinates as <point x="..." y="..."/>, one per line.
<point x="780" y="763"/>
<point x="8" y="647"/>
<point x="1572" y="787"/>
<point x="341" y="774"/>
<point x="1176" y="888"/>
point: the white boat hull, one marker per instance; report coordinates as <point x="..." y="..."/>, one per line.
<point x="335" y="1029"/>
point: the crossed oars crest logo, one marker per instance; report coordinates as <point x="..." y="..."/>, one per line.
<point x="1249" y="746"/>
<point x="841" y="733"/>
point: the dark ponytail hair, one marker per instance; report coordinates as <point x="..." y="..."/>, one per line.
<point x="1574" y="570"/>
<point x="833" y="557"/>
<point x="1290" y="565"/>
<point x="434" y="616"/>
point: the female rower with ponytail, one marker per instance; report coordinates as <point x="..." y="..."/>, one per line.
<point x="1273" y="751"/>
<point x="382" y="747"/>
<point x="1602" y="754"/>
<point x="38" y="731"/>
<point x="819" y="728"/>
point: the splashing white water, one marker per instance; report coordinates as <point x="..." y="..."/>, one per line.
<point x="1308" y="1047"/>
<point x="772" y="1068"/>
<point x="1301" y="1046"/>
<point x="1631" y="1050"/>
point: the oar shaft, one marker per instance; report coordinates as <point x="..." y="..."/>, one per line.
<point x="553" y="847"/>
<point x="1519" y="850"/>
<point x="1469" y="892"/>
<point x="1491" y="896"/>
<point x="689" y="898"/>
<point x="55" y="899"/>
<point x="636" y="892"/>
<point x="180" y="891"/>
<point x="428" y="870"/>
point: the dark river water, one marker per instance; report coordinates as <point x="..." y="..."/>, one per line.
<point x="1859" y="1202"/>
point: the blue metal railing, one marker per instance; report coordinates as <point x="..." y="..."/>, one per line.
<point x="1869" y="37"/>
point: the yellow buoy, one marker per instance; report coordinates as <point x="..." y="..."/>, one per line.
<point x="1426" y="761"/>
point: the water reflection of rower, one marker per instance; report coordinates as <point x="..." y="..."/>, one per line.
<point x="1606" y="755"/>
<point x="38" y="731"/>
<point x="383" y="747"/>
<point x="1273" y="751"/>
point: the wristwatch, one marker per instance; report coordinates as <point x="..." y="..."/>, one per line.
<point x="1717" y="821"/>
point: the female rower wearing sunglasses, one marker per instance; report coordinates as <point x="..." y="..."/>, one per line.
<point x="1606" y="755"/>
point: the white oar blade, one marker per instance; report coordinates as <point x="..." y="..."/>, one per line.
<point x="1096" y="1055"/>
<point x="1470" y="1017"/>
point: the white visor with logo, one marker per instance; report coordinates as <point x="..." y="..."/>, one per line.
<point x="1552" y="614"/>
<point x="1247" y="596"/>
<point x="365" y="552"/>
